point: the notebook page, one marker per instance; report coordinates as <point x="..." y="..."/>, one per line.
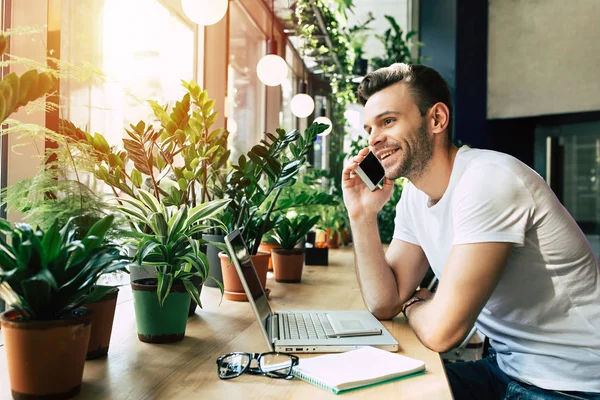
<point x="357" y="367"/>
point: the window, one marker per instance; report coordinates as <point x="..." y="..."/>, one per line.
<point x="139" y="49"/>
<point x="246" y="93"/>
<point x="287" y="120"/>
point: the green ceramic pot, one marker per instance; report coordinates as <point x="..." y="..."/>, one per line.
<point x="156" y="324"/>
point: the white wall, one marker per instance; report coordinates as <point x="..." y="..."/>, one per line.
<point x="543" y="57"/>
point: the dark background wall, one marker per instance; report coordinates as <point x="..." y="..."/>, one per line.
<point x="455" y="37"/>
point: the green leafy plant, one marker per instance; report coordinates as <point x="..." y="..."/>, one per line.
<point x="334" y="219"/>
<point x="179" y="162"/>
<point x="397" y="46"/>
<point x="290" y="231"/>
<point x="166" y="240"/>
<point x="18" y="91"/>
<point x="46" y="274"/>
<point x="256" y="181"/>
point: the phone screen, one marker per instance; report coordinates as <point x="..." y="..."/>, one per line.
<point x="371" y="167"/>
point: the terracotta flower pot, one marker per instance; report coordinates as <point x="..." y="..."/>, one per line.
<point x="333" y="241"/>
<point x="103" y="314"/>
<point x="233" y="286"/>
<point x="156" y="324"/>
<point x="46" y="358"/>
<point x="267" y="247"/>
<point x="287" y="265"/>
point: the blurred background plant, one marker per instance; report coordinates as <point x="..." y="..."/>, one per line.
<point x="398" y="46"/>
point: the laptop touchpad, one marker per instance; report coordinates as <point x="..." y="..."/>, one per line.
<point x="350" y="325"/>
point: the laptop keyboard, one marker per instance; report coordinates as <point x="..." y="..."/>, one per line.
<point x="304" y="326"/>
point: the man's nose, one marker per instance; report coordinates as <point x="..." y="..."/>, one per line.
<point x="376" y="138"/>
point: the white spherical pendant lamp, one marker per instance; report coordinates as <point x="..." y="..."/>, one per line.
<point x="326" y="121"/>
<point x="272" y="70"/>
<point x="302" y="105"/>
<point x="205" y="12"/>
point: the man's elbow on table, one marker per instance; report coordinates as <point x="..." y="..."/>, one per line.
<point x="384" y="311"/>
<point x="441" y="339"/>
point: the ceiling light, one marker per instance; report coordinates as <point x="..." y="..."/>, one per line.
<point x="205" y="12"/>
<point x="272" y="70"/>
<point x="302" y="104"/>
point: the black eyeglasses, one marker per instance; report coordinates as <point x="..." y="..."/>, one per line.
<point x="272" y="364"/>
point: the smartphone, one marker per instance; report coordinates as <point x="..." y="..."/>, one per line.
<point x="370" y="171"/>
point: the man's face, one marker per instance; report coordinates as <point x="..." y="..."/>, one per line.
<point x="399" y="136"/>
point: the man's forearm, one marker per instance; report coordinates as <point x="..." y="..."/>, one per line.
<point x="377" y="281"/>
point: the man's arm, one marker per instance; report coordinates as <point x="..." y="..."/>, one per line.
<point x="469" y="279"/>
<point x="386" y="281"/>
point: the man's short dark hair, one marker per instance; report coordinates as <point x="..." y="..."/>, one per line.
<point x="426" y="85"/>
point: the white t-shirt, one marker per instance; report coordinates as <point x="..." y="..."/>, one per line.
<point x="543" y="318"/>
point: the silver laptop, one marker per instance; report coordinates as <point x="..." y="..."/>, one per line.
<point x="306" y="331"/>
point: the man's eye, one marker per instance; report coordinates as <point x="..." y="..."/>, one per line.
<point x="388" y="121"/>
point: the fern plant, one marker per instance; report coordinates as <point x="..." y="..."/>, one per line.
<point x="46" y="274"/>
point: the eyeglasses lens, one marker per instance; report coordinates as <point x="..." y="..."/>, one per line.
<point x="233" y="365"/>
<point x="276" y="365"/>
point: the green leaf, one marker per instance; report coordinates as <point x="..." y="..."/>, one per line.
<point x="38" y="294"/>
<point x="189" y="175"/>
<point x="183" y="183"/>
<point x="206" y="210"/>
<point x="177" y="221"/>
<point x="136" y="178"/>
<point x="165" y="281"/>
<point x="160" y="226"/>
<point x="149" y="200"/>
<point x="101" y="144"/>
<point x="52" y="240"/>
<point x="193" y="290"/>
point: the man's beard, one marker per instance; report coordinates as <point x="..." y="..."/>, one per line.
<point x="415" y="162"/>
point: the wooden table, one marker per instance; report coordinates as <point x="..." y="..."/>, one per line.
<point x="136" y="370"/>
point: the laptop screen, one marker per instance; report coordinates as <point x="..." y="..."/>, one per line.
<point x="250" y="278"/>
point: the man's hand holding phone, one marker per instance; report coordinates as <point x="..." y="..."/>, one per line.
<point x="360" y="180"/>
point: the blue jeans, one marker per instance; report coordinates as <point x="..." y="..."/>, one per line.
<point x="484" y="380"/>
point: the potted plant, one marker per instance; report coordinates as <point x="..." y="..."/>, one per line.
<point x="204" y="153"/>
<point x="288" y="260"/>
<point x="45" y="277"/>
<point x="254" y="184"/>
<point x="178" y="161"/>
<point x="167" y="242"/>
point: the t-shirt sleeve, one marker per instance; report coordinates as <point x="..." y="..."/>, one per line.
<point x="402" y="223"/>
<point x="491" y="204"/>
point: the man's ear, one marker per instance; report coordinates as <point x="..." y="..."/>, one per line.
<point x="440" y="117"/>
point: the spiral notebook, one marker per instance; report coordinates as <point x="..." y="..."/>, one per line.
<point x="354" y="369"/>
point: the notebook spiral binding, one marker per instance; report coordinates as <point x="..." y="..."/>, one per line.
<point x="299" y="374"/>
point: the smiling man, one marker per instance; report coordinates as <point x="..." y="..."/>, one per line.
<point x="510" y="258"/>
